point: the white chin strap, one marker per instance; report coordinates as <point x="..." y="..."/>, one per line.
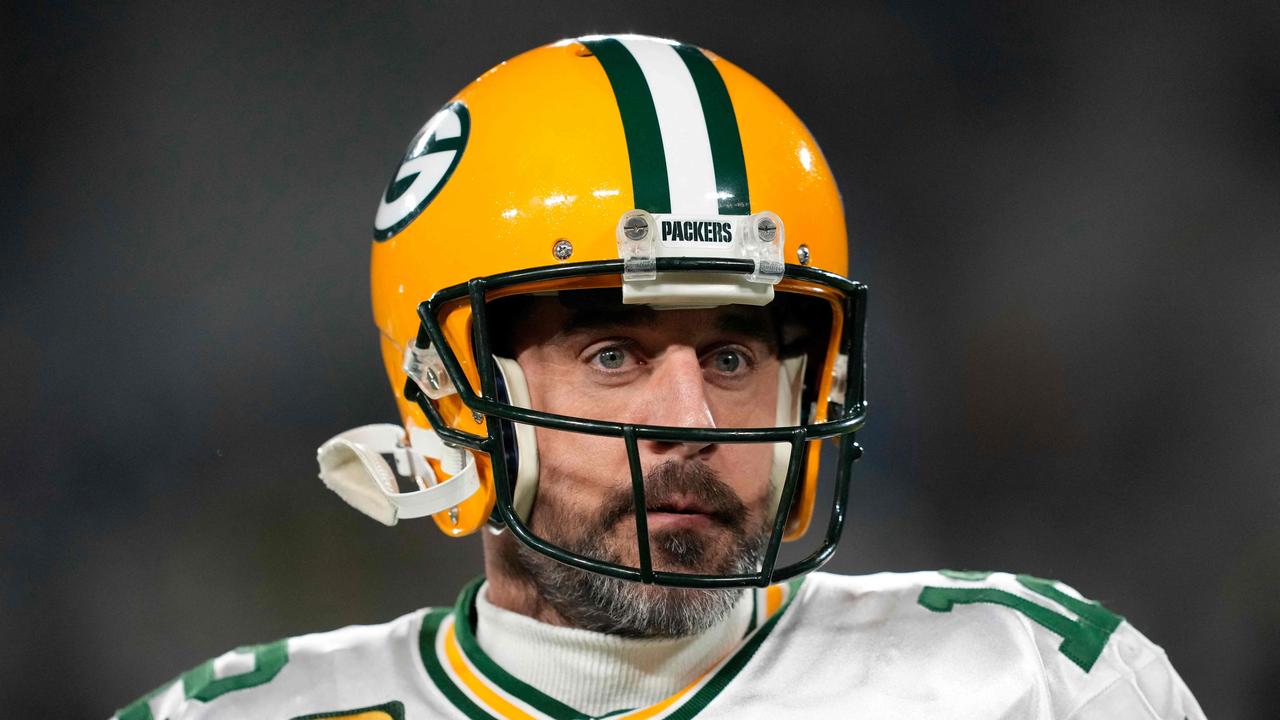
<point x="352" y="465"/>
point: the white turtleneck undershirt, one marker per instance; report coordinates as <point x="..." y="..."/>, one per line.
<point x="596" y="672"/>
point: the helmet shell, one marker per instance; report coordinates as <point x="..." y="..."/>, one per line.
<point x="546" y="158"/>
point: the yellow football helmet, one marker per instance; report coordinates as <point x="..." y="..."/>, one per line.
<point x="598" y="162"/>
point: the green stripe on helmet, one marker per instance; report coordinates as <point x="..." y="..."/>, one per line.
<point x="722" y="129"/>
<point x="639" y="123"/>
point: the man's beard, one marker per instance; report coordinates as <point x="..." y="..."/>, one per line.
<point x="592" y="601"/>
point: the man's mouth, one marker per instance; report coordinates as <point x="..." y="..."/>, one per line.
<point x="659" y="521"/>
<point x="678" y="505"/>
<point x="680" y="497"/>
<point x="680" y="512"/>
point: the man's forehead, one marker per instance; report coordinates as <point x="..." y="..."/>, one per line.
<point x="737" y="319"/>
<point x="525" y="320"/>
<point x="575" y="312"/>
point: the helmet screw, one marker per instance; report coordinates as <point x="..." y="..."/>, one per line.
<point x="635" y="228"/>
<point x="802" y="254"/>
<point x="453" y="515"/>
<point x="477" y="416"/>
<point x="432" y="379"/>
<point x="767" y="229"/>
<point x="563" y="249"/>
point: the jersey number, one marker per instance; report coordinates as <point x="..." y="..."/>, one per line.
<point x="200" y="684"/>
<point x="1082" y="639"/>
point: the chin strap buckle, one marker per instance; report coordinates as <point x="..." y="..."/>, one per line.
<point x="426" y="369"/>
<point x="354" y="465"/>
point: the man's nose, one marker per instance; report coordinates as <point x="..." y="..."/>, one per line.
<point x="677" y="397"/>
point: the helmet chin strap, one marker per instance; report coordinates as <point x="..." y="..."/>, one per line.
<point x="522" y="453"/>
<point x="353" y="465"/>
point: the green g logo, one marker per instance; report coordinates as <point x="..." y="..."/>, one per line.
<point x="424" y="169"/>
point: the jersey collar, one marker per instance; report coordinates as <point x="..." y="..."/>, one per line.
<point x="482" y="690"/>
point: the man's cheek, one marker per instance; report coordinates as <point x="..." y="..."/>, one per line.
<point x="586" y="460"/>
<point x="576" y="476"/>
<point x="573" y="392"/>
<point x="747" y="469"/>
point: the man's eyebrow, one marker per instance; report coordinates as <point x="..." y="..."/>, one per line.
<point x="594" y="318"/>
<point x="757" y="327"/>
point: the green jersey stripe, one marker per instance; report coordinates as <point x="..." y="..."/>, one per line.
<point x="722" y="129"/>
<point x="393" y="709"/>
<point x="436" y="622"/>
<point x="736" y="662"/>
<point x="431" y="623"/>
<point x="492" y="671"/>
<point x="639" y="123"/>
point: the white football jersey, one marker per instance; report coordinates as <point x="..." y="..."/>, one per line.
<point x="955" y="645"/>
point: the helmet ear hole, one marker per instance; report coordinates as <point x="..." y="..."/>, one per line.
<point x="520" y="443"/>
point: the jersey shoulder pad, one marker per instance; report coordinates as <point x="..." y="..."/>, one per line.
<point x="1091" y="657"/>
<point x="255" y="677"/>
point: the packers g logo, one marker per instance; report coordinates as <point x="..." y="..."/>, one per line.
<point x="424" y="169"/>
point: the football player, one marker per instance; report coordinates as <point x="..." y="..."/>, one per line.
<point x="609" y="278"/>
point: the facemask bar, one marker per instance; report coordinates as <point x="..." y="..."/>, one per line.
<point x="852" y="411"/>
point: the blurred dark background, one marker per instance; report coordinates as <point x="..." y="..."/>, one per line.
<point x="1068" y="218"/>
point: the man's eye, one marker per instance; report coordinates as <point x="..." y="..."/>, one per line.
<point x="727" y="362"/>
<point x="611" y="358"/>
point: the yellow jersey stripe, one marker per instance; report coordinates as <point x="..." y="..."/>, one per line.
<point x="493" y="701"/>
<point x="656" y="708"/>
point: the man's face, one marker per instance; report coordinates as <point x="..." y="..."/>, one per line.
<point x="707" y="503"/>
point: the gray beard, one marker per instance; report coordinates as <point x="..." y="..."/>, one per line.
<point x="600" y="603"/>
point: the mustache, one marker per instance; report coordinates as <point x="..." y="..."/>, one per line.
<point x="690" y="484"/>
